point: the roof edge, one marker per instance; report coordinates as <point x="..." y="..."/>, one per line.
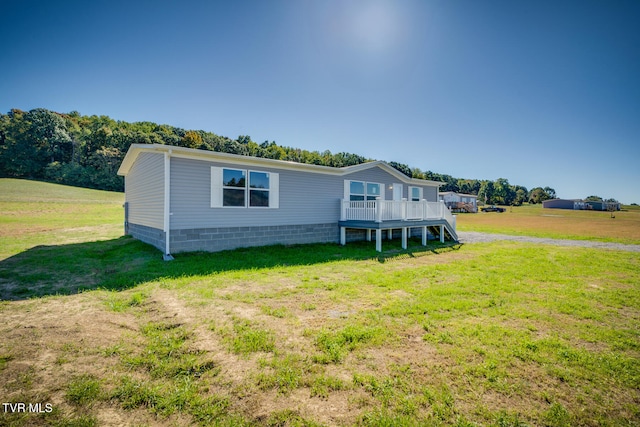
<point x="136" y="149"/>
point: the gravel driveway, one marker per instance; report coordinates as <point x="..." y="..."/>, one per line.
<point x="476" y="237"/>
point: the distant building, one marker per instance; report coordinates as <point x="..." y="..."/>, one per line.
<point x="563" y="204"/>
<point x="579" y="204"/>
<point x="458" y="202"/>
<point x="602" y="206"/>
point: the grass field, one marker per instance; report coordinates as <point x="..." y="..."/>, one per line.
<point x="36" y="213"/>
<point x="502" y="333"/>
<point x="533" y="220"/>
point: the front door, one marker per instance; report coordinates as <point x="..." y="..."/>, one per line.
<point x="397" y="192"/>
<point x="397" y="196"/>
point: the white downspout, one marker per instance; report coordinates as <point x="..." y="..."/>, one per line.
<point x="167" y="206"/>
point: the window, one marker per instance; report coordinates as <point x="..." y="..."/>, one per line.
<point x="373" y="191"/>
<point x="259" y="189"/>
<point x="234" y="184"/>
<point x="242" y="188"/>
<point x="415" y="194"/>
<point x="359" y="190"/>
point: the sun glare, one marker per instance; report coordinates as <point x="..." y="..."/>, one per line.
<point x="373" y="27"/>
<point x="368" y="36"/>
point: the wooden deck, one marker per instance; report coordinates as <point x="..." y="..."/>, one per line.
<point x="378" y="215"/>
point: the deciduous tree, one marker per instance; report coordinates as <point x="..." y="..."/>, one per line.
<point x="486" y="192"/>
<point x="538" y="195"/>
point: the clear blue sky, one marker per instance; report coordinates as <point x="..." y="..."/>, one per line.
<point x="539" y="92"/>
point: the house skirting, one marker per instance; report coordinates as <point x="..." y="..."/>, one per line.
<point x="223" y="238"/>
<point x="153" y="236"/>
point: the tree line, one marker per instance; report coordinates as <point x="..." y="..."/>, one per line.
<point x="86" y="151"/>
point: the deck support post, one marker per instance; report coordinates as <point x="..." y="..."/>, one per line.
<point x="424" y="236"/>
<point x="390" y="234"/>
<point x="343" y="236"/>
<point x="368" y="234"/>
<point x="404" y="238"/>
<point x="442" y="234"/>
<point x="378" y="240"/>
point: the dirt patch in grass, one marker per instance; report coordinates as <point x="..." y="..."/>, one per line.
<point x="238" y="372"/>
<point x="52" y="341"/>
<point x="234" y="367"/>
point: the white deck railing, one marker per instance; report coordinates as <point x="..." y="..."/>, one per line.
<point x="395" y="210"/>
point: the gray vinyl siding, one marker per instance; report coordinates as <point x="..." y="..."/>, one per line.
<point x="430" y="193"/>
<point x="305" y="197"/>
<point x="559" y="204"/>
<point x="144" y="189"/>
<point x="372" y="175"/>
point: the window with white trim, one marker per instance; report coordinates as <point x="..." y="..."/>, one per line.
<point x="415" y="194"/>
<point x="234" y="187"/>
<point x="241" y="188"/>
<point x="361" y="190"/>
<point x="259" y="189"/>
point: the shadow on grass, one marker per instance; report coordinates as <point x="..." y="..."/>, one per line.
<point x="125" y="262"/>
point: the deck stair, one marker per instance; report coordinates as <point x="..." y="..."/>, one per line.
<point x="449" y="233"/>
<point x="467" y="207"/>
<point x="462" y="207"/>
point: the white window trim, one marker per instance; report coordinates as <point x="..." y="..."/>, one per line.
<point x="246" y="180"/>
<point x="247" y="197"/>
<point x="420" y="193"/>
<point x="347" y="188"/>
<point x="217" y="188"/>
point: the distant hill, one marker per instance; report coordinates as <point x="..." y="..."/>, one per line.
<point x="86" y="151"/>
<point x="36" y="214"/>
<point x="23" y="190"/>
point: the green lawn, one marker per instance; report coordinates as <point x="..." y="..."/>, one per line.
<point x="36" y="213"/>
<point x="534" y="220"/>
<point x="501" y="334"/>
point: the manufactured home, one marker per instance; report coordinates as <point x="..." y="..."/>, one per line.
<point x="563" y="204"/>
<point x="180" y="199"/>
<point x="578" y="204"/>
<point x="459" y="202"/>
